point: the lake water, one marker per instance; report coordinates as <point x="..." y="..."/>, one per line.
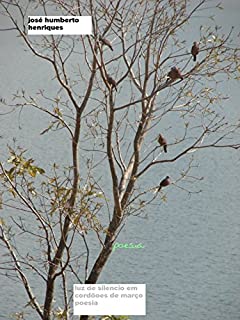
<point x="191" y="256"/>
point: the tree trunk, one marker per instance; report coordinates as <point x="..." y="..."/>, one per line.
<point x="97" y="268"/>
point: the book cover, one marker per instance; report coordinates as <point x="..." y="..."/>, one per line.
<point x="119" y="160"/>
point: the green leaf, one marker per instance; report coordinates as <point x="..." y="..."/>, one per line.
<point x="11" y="159"/>
<point x="11" y="190"/>
<point x="10" y="173"/>
<point x="40" y="170"/>
<point x="57" y="111"/>
<point x="32" y="172"/>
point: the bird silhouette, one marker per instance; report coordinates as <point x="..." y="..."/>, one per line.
<point x="195" y="50"/>
<point x="163" y="142"/>
<point x="112" y="82"/>
<point x="106" y="42"/>
<point x="164" y="183"/>
<point x="174" y="74"/>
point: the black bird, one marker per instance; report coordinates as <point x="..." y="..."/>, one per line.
<point x="112" y="82"/>
<point x="164" y="183"/>
<point x="163" y="142"/>
<point x="195" y="50"/>
<point x="106" y="42"/>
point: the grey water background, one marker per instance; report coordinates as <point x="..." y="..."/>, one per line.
<point x="191" y="256"/>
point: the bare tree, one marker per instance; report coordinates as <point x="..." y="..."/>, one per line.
<point x="134" y="73"/>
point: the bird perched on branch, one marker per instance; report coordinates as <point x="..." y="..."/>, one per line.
<point x="112" y="82"/>
<point x="174" y="74"/>
<point x="164" y="183"/>
<point x="106" y="42"/>
<point x="163" y="142"/>
<point x="195" y="50"/>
